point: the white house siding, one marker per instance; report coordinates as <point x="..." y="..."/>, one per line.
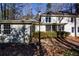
<point x="18" y="28"/>
<point x="26" y="32"/>
<point x="43" y="19"/>
<point x="42" y="28"/>
<point x="67" y="27"/>
<point x="54" y="20"/>
<point x="65" y="19"/>
<point x="77" y="22"/>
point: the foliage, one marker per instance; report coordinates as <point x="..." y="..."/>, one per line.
<point x="13" y="10"/>
<point x="76" y="8"/>
<point x="71" y="53"/>
<point x="2" y="38"/>
<point x="49" y="34"/>
<point x="63" y="33"/>
<point x="44" y="35"/>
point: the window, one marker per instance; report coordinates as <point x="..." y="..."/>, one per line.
<point x="59" y="27"/>
<point x="0" y="29"/>
<point x="72" y="20"/>
<point x="78" y="29"/>
<point x="62" y="28"/>
<point x="48" y="19"/>
<point x="6" y="28"/>
<point x="48" y="27"/>
<point x="54" y="28"/>
<point x="72" y="29"/>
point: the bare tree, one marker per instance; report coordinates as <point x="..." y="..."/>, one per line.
<point x="76" y="5"/>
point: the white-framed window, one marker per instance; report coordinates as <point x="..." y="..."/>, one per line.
<point x="72" y="29"/>
<point x="54" y="28"/>
<point x="62" y="28"/>
<point x="48" y="19"/>
<point x="5" y="28"/>
<point x="48" y="27"/>
<point x="72" y="20"/>
<point x="78" y="29"/>
<point x="0" y="29"/>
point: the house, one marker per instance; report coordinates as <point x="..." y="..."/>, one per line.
<point x="15" y="31"/>
<point x="18" y="30"/>
<point x="66" y="22"/>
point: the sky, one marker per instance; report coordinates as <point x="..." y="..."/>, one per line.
<point x="55" y="7"/>
<point x="34" y="5"/>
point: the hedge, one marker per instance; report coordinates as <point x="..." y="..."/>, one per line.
<point x="44" y="35"/>
<point x="63" y="33"/>
<point x="49" y="34"/>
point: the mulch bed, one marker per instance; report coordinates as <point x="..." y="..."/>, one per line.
<point x="49" y="47"/>
<point x="16" y="49"/>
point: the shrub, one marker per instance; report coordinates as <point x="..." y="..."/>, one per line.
<point x="71" y="53"/>
<point x="44" y="35"/>
<point x="2" y="38"/>
<point x="63" y="33"/>
<point x="67" y="34"/>
<point x="49" y="34"/>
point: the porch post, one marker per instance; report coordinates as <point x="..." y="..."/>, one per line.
<point x="40" y="48"/>
<point x="57" y="28"/>
<point x="75" y="26"/>
<point x="51" y="28"/>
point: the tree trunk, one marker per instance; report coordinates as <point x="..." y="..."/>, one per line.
<point x="2" y="11"/>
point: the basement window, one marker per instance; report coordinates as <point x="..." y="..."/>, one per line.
<point x="6" y="28"/>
